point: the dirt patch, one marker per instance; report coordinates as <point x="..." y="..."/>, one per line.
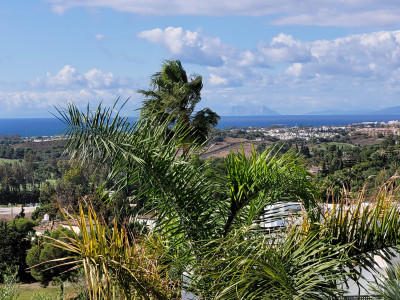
<point x="8" y="213"/>
<point x="366" y="141"/>
<point x="10" y="217"/>
<point x="222" y="149"/>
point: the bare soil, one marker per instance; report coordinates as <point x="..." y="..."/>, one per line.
<point x="5" y="213"/>
<point x="222" y="149"/>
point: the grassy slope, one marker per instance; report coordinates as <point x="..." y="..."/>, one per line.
<point x="27" y="291"/>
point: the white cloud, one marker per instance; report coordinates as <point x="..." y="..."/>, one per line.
<point x="69" y="78"/>
<point x="294" y="70"/>
<point x="188" y="45"/>
<point x="348" y="56"/>
<point x="305" y="75"/>
<point x="284" y="48"/>
<point x="217" y="80"/>
<point x="97" y="79"/>
<point x="353" y="71"/>
<point x="307" y="12"/>
<point x="66" y="77"/>
<point x="361" y="57"/>
<point x="43" y="100"/>
<point x="68" y="84"/>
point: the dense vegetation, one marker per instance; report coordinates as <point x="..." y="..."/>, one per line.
<point x="14" y="243"/>
<point x="207" y="222"/>
<point x="351" y="166"/>
<point x="343" y="163"/>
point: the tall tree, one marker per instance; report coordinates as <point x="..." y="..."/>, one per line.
<point x="173" y="96"/>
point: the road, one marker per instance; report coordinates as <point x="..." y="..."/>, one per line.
<point x="15" y="210"/>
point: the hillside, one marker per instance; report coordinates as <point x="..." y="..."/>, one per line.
<point x="389" y="110"/>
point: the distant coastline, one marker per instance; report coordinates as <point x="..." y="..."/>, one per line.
<point x="302" y="120"/>
<point x="31" y="127"/>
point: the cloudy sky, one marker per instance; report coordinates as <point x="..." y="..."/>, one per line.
<point x="291" y="56"/>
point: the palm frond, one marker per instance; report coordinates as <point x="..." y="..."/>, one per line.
<point x="370" y="224"/>
<point x="249" y="265"/>
<point x="264" y="179"/>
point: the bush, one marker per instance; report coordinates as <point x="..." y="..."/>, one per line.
<point x="23" y="225"/>
<point x="44" y="251"/>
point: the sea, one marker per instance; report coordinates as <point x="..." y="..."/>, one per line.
<point x="34" y="127"/>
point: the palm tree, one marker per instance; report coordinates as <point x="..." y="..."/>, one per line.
<point x="193" y="204"/>
<point x="173" y="96"/>
<point x="180" y="188"/>
<point x="264" y="179"/>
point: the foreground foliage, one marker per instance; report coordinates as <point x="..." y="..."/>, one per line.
<point x="290" y="265"/>
<point x="192" y="202"/>
<point x="367" y="223"/>
<point x="387" y="286"/>
<point x="310" y="259"/>
<point x="8" y="288"/>
<point x="115" y="266"/>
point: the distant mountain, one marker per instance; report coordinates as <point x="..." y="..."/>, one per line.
<point x="252" y="111"/>
<point x="388" y="111"/>
<point x="340" y="112"/>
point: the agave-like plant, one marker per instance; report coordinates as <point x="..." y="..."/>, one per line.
<point x="115" y="266"/>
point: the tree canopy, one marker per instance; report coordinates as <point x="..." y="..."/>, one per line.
<point x="173" y="96"/>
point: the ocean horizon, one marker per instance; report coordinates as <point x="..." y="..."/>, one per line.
<point x="32" y="127"/>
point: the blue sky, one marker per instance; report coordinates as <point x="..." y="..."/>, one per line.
<point x="291" y="56"/>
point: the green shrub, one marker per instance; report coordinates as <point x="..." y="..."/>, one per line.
<point x="44" y="251"/>
<point x="23" y="225"/>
